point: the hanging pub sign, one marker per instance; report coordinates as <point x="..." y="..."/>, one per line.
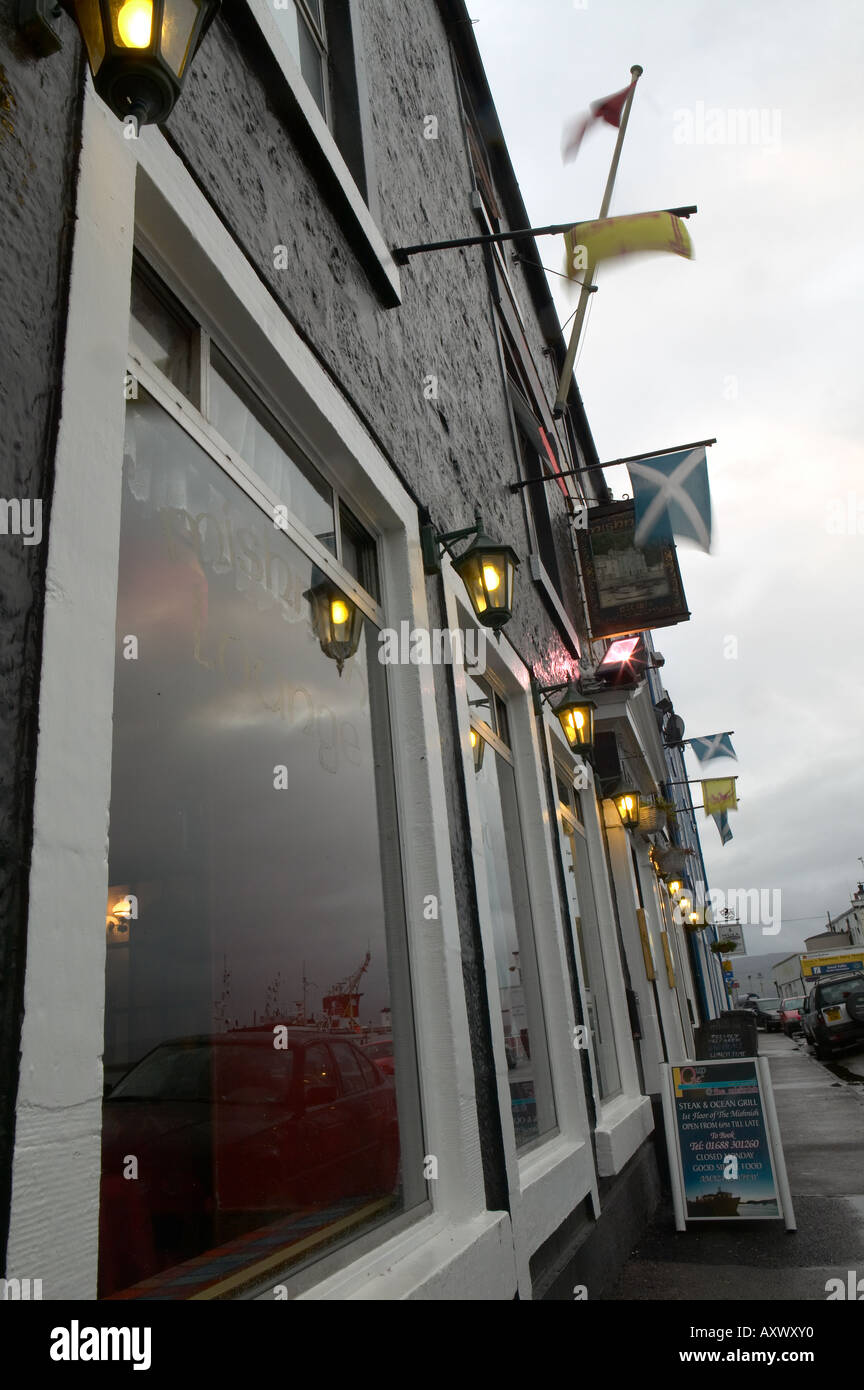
<point x="628" y="589"/>
<point x="725" y="1154"/>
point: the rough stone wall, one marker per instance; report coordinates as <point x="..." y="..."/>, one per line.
<point x="453" y="452"/>
<point x="39" y="114"/>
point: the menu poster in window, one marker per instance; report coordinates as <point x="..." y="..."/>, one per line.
<point x="726" y="1157"/>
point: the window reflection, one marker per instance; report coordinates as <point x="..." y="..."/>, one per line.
<point x="253" y="827"/>
<point x="521" y="1004"/>
<point x="252" y="433"/>
<point x="587" y="932"/>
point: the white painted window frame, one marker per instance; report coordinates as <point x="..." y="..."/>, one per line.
<point x="624" y="1120"/>
<point x="560" y="754"/>
<point x="549" y="1180"/>
<point x="459" y="1250"/>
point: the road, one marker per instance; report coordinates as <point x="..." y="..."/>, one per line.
<point x="820" y="1108"/>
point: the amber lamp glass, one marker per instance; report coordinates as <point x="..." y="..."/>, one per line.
<point x="478" y="748"/>
<point x="628" y="807"/>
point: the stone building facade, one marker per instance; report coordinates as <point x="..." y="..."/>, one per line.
<point x="229" y="396"/>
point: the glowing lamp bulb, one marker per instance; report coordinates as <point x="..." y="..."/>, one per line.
<point x="135" y="23"/>
<point x="491" y="578"/>
<point x="339" y="612"/>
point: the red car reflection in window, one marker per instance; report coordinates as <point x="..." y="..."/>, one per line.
<point x="380" y="1051"/>
<point x="230" y="1132"/>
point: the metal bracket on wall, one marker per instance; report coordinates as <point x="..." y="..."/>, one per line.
<point x="34" y="22"/>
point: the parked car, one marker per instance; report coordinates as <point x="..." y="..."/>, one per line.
<point x="231" y="1132"/>
<point x="833" y="1013"/>
<point x="790" y="1014"/>
<point x="768" y="1014"/>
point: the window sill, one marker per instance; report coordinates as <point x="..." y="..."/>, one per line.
<point x="623" y="1125"/>
<point x="329" y="167"/>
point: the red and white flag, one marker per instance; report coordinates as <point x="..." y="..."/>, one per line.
<point x="608" y="109"/>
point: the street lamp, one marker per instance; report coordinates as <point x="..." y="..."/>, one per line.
<point x="140" y="51"/>
<point x="336" y="620"/>
<point x="487" y="569"/>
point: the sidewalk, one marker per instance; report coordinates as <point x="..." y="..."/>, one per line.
<point x="822" y="1126"/>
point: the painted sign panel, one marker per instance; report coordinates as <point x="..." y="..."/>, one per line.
<point x="831" y="965"/>
<point x="722" y="1131"/>
<point x="628" y="589"/>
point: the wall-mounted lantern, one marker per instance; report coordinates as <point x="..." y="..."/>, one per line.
<point x="674" y="885"/>
<point x="627" y="803"/>
<point x="336" y="620"/>
<point x="139" y="50"/>
<point x="487" y="569"/>
<point x="574" y="711"/>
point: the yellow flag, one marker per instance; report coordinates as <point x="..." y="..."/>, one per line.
<point x="590" y="242"/>
<point x="720" y="794"/>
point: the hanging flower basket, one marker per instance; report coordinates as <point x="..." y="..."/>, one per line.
<point x="673" y="860"/>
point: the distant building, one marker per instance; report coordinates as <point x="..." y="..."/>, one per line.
<point x="851" y="920"/>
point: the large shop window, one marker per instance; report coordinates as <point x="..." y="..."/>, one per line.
<point x="583" y="908"/>
<point x="261" y="1082"/>
<point x="531" y="1099"/>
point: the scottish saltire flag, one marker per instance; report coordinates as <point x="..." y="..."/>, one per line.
<point x="713" y="746"/>
<point x="672" y="497"/>
<point x="721" y="820"/>
<point x="719" y="794"/>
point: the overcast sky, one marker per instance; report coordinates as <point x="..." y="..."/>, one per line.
<point x="757" y="341"/>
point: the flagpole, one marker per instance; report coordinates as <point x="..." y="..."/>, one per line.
<point x="588" y="283"/>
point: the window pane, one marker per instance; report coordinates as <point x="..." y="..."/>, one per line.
<point x="481" y="701"/>
<point x="315" y="10"/>
<point x="259" y="921"/>
<point x="253" y="434"/>
<point x="312" y="66"/>
<point x="515" y="957"/>
<point x="359" y="552"/>
<point x="162" y="331"/>
<point x="304" y="50"/>
<point x="587" y="931"/>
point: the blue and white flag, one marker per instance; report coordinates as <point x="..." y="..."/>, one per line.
<point x="721" y="820"/>
<point x="672" y="498"/>
<point x="713" y="746"/>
